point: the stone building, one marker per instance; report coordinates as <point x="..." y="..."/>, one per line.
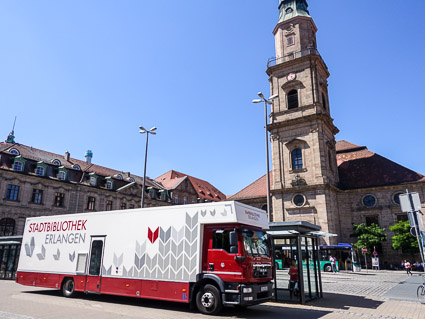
<point x="34" y="182"/>
<point x="314" y="178"/>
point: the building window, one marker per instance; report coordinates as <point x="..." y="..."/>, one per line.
<point x="176" y="199"/>
<point x="56" y="162"/>
<point x="59" y="199"/>
<point x="18" y="166"/>
<point x="131" y="180"/>
<point x="396" y="198"/>
<point x="91" y="203"/>
<point x="324" y="104"/>
<point x="369" y="201"/>
<point x="93" y="181"/>
<point x="299" y="200"/>
<point x="12" y="192"/>
<point x="37" y="196"/>
<point x="123" y="205"/>
<point x="292" y="99"/>
<point x="290" y="41"/>
<point x="297" y="159"/>
<point x="7" y="227"/>
<point x="61" y="175"/>
<point x="76" y="167"/>
<point x="372" y="220"/>
<point x="39" y="171"/>
<point x="402" y="218"/>
<point x="109" y="205"/>
<point x="185" y="200"/>
<point x="109" y="184"/>
<point x="14" y="151"/>
<point x="119" y="177"/>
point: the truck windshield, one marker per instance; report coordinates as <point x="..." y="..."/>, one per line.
<point x="255" y="242"/>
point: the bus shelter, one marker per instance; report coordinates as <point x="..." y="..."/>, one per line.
<point x="296" y="243"/>
<point x="10" y="247"/>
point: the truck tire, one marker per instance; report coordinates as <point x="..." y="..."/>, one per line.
<point x="208" y="300"/>
<point x="68" y="288"/>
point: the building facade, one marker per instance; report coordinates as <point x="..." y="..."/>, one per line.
<point x="314" y="178"/>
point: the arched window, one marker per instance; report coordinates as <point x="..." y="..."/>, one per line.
<point x="325" y="106"/>
<point x="297" y="159"/>
<point x="7" y="227"/>
<point x="292" y="99"/>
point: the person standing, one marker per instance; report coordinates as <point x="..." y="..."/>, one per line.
<point x="408" y="268"/>
<point x="293" y="279"/>
<point x="333" y="263"/>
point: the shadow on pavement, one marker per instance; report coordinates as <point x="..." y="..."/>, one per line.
<point x="344" y="302"/>
<point x="260" y="311"/>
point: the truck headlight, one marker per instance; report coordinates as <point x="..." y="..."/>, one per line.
<point x="247" y="290"/>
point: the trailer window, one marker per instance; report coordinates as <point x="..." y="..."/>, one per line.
<point x="81" y="263"/>
<point x="221" y="240"/>
<point x="96" y="257"/>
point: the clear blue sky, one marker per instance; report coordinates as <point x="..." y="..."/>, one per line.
<point x="84" y="74"/>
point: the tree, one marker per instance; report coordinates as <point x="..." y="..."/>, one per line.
<point x="368" y="236"/>
<point x="403" y="239"/>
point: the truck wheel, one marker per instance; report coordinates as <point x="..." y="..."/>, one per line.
<point x="68" y="288"/>
<point x="327" y="268"/>
<point x="208" y="300"/>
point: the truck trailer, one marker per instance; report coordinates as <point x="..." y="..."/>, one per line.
<point x="207" y="255"/>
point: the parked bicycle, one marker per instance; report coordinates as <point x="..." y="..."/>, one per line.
<point x="421" y="291"/>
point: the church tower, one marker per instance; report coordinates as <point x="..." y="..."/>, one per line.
<point x="304" y="168"/>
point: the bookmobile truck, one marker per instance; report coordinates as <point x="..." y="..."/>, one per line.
<point x="207" y="255"/>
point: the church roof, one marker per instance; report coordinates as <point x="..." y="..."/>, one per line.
<point x="357" y="167"/>
<point x="292" y="8"/>
<point x="204" y="189"/>
<point x="360" y="168"/>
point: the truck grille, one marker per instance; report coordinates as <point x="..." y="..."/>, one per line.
<point x="262" y="271"/>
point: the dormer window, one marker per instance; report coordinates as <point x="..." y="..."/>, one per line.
<point x="18" y="164"/>
<point x="56" y="162"/>
<point x="76" y="167"/>
<point x="39" y="171"/>
<point x="62" y="173"/>
<point x="131" y="180"/>
<point x="93" y="179"/>
<point x="109" y="183"/>
<point x="14" y="151"/>
<point x="119" y="176"/>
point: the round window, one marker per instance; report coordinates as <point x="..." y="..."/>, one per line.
<point x="289" y="10"/>
<point x="396" y="198"/>
<point x="369" y="200"/>
<point x="299" y="200"/>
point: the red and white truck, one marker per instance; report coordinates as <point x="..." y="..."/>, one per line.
<point x="210" y="255"/>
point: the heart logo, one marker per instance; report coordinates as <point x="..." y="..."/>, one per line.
<point x="153" y="235"/>
<point x="212" y="212"/>
<point x="203" y="213"/>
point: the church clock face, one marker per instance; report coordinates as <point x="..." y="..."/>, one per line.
<point x="291" y="76"/>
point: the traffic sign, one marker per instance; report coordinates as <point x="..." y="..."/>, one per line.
<point x="410" y="202"/>
<point x="375" y="253"/>
<point x="364" y="250"/>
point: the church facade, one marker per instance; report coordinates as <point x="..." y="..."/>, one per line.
<point x="314" y="178"/>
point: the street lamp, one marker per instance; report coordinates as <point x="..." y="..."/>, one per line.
<point x="143" y="131"/>
<point x="268" y="101"/>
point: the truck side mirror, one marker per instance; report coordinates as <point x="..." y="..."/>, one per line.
<point x="233" y="237"/>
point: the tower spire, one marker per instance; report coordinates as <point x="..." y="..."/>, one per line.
<point x="293" y="8"/>
<point x="11" y="136"/>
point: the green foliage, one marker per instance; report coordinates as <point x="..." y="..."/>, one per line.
<point x="368" y="236"/>
<point x="403" y="239"/>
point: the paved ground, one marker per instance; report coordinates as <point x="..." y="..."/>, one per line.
<point x="384" y="295"/>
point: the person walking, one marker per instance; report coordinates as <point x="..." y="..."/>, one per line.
<point x="408" y="268"/>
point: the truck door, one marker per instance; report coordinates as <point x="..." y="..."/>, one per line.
<point x="94" y="274"/>
<point x="221" y="256"/>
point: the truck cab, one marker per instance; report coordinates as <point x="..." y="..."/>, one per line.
<point x="238" y="259"/>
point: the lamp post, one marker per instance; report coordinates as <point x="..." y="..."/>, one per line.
<point x="143" y="131"/>
<point x="268" y="101"/>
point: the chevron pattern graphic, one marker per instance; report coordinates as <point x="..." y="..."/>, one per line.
<point x="176" y="258"/>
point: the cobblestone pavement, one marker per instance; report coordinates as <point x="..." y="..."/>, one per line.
<point x="371" y="283"/>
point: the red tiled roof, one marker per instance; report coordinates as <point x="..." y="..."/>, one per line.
<point x="360" y="168"/>
<point x="254" y="190"/>
<point x="203" y="188"/>
<point x="38" y="155"/>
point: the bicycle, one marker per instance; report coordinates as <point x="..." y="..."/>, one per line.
<point x="421" y="292"/>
